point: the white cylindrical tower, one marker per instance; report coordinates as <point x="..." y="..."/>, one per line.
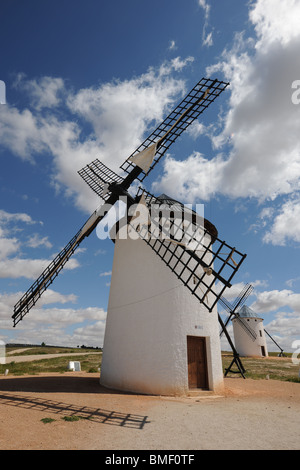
<point x="244" y="342"/>
<point x="159" y="338"/>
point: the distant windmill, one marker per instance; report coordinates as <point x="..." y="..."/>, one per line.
<point x="248" y="330"/>
<point x="233" y="309"/>
<point x="196" y="262"/>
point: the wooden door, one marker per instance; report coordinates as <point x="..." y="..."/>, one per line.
<point x="197" y="362"/>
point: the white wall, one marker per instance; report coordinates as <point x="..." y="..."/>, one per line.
<point x="243" y="342"/>
<point x="150" y="314"/>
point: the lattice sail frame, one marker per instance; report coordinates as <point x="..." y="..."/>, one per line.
<point x="233" y="310"/>
<point x="30" y="298"/>
<point x="98" y="176"/>
<point x="101" y="180"/>
<point x="194" y="253"/>
<point x="190" y="108"/>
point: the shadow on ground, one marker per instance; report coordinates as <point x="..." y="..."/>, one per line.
<point x="64" y="384"/>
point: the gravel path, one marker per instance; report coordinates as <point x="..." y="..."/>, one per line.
<point x="252" y="414"/>
<point x="38" y="357"/>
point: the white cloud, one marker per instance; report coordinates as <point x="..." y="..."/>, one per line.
<point x="286" y="224"/>
<point x="194" y="178"/>
<point x="6" y="217"/>
<point x="8" y="246"/>
<point x="19" y="131"/>
<point x="206" y="7"/>
<point x="206" y="37"/>
<point x="290" y="282"/>
<point x="106" y="273"/>
<point x="28" y="268"/>
<point x="35" y="241"/>
<point x="275" y="21"/>
<point x="7" y="301"/>
<point x="270" y="301"/>
<point x="51" y="297"/>
<point x="262" y="123"/>
<point x="118" y="113"/>
<point x="179" y="64"/>
<point x="54" y="325"/>
<point x="257" y="154"/>
<point x="172" y="45"/>
<point x="208" y="40"/>
<point x="13" y="263"/>
<point x="44" y="93"/>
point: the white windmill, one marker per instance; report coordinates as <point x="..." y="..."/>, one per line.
<point x="162" y="324"/>
<point x="244" y="343"/>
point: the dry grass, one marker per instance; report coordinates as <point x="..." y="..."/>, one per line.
<point x="89" y="363"/>
<point x="272" y="367"/>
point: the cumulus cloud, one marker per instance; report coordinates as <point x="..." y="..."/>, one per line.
<point x="286" y="224"/>
<point x="257" y="154"/>
<point x="13" y="263"/>
<point x="35" y="240"/>
<point x="269" y="301"/>
<point x="262" y="123"/>
<point x="194" y="178"/>
<point x="115" y="117"/>
<point x="44" y="93"/>
<point x="52" y="324"/>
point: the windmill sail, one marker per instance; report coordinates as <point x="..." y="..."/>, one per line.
<point x="109" y="186"/>
<point x="232" y="309"/>
<point x="190" y="108"/>
<point x="98" y="176"/>
<point x="197" y="263"/>
<point x="29" y="299"/>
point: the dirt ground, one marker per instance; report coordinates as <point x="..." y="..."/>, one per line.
<point x="250" y="415"/>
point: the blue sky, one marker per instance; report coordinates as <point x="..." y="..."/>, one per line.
<point x="86" y="80"/>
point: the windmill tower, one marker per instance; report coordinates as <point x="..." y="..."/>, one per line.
<point x="164" y="280"/>
<point x="159" y="339"/>
<point x="243" y="342"/>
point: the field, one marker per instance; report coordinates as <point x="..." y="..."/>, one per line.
<point x="272" y="367"/>
<point x="90" y="362"/>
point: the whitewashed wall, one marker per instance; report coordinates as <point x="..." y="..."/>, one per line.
<point x="244" y="344"/>
<point x="150" y="314"/>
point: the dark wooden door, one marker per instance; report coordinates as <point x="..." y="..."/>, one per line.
<point x="197" y="362"/>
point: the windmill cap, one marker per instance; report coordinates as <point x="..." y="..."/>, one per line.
<point x="164" y="198"/>
<point x="247" y="312"/>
